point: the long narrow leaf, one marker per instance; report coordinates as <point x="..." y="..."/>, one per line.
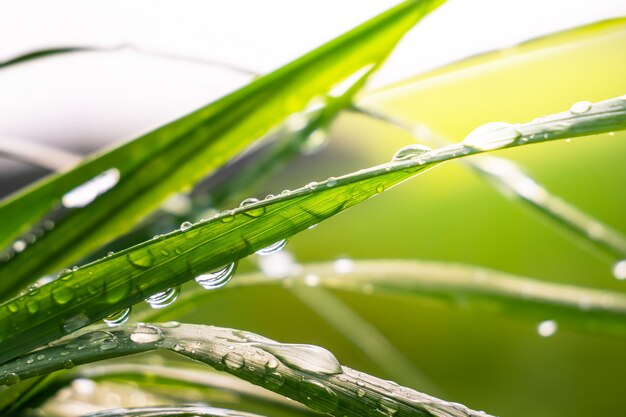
<point x="305" y="373"/>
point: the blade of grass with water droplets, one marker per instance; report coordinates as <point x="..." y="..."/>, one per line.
<point x="103" y="287"/>
<point x="179" y="154"/>
<point x="306" y="373"/>
<point x="511" y="180"/>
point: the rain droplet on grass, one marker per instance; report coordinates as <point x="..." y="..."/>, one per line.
<point x="253" y="212"/>
<point x="164" y="298"/>
<point x="306" y="358"/>
<point x="581" y="107"/>
<point x="491" y="136"/>
<point x="410" y="152"/>
<point x="74" y="322"/>
<point x="217" y="278"/>
<point x="144" y="333"/>
<point x="185" y="226"/>
<point x="274" y="247"/>
<point x="117" y="318"/>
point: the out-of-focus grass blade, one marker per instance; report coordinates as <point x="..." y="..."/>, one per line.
<point x="500" y="84"/>
<point x="179" y="154"/>
<point x="43" y="53"/>
<point x="101" y="288"/>
<point x="572" y="307"/>
<point x="305" y="373"/>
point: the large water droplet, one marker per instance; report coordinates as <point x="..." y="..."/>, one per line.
<point x="164" y="298"/>
<point x="581" y="107"/>
<point x="117" y="318"/>
<point x="274" y="247"/>
<point x="274" y="380"/>
<point x="234" y="361"/>
<point x="307" y="358"/>
<point x="218" y="278"/>
<point x="619" y="269"/>
<point x="410" y="152"/>
<point x="253" y="212"/>
<point x="185" y="226"/>
<point x="547" y="328"/>
<point x="144" y="333"/>
<point x="10" y="378"/>
<point x="492" y="135"/>
<point x="87" y="192"/>
<point x="62" y="293"/>
<point x="141" y="259"/>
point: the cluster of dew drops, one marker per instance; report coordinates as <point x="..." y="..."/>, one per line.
<point x="211" y="280"/>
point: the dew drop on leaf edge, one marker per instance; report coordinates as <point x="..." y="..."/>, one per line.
<point x="217" y="278"/>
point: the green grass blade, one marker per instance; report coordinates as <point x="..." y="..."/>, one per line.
<point x="308" y="374"/>
<point x="108" y="285"/>
<point x="572" y="307"/>
<point x="179" y="154"/>
<point x="511" y="180"/>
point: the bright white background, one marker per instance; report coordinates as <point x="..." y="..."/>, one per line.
<point x="82" y="101"/>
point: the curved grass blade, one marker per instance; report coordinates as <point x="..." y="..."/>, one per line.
<point x="179" y="154"/>
<point x="573" y="307"/>
<point x="43" y="53"/>
<point x="511" y="180"/>
<point x="308" y="374"/>
<point x="103" y="287"/>
<point x="178" y="410"/>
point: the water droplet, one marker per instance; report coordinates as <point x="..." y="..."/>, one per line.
<point x="410" y="152"/>
<point x="317" y="396"/>
<point x="185" y="226"/>
<point x="170" y="324"/>
<point x="164" y="298"/>
<point x="619" y="269"/>
<point x="41" y="357"/>
<point x="253" y="212"/>
<point x="581" y="107"/>
<point x="380" y="188"/>
<point x="307" y="358"/>
<point x="217" y="278"/>
<point x="19" y="246"/>
<point x="13" y="307"/>
<point x="144" y="333"/>
<point x="62" y="293"/>
<point x="117" y="318"/>
<point x="87" y="192"/>
<point x="360" y="392"/>
<point x="68" y="364"/>
<point x="274" y="247"/>
<point x="11" y="378"/>
<point x="491" y="136"/>
<point x="274" y="380"/>
<point x="141" y="259"/>
<point x="227" y="216"/>
<point x="331" y="182"/>
<point x="547" y="328"/>
<point x="312" y="185"/>
<point x="343" y="266"/>
<point x="234" y="361"/>
<point x="74" y="322"/>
